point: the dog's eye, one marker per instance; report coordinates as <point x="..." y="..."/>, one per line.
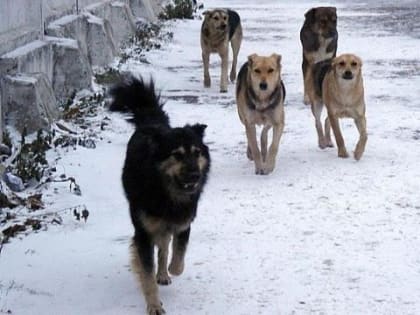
<point x="354" y="64"/>
<point x="216" y="18"/>
<point x="257" y="71"/>
<point x="341" y="63"/>
<point x="271" y="70"/>
<point x="225" y="18"/>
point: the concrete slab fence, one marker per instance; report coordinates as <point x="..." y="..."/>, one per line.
<point x="48" y="49"/>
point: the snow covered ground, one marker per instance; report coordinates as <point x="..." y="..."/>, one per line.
<point x="320" y="235"/>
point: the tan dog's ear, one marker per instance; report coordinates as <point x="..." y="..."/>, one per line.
<point x="277" y="57"/>
<point x="359" y="61"/>
<point x="251" y="59"/>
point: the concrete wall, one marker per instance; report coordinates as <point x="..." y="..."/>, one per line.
<point x="22" y="21"/>
<point x="40" y="40"/>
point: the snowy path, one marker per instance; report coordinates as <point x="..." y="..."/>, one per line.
<point x="320" y="235"/>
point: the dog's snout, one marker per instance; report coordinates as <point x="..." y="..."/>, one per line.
<point x="223" y="26"/>
<point x="191" y="172"/>
<point x="263" y="86"/>
<point x="348" y="75"/>
<point x="191" y="177"/>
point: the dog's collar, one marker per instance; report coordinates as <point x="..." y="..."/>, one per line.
<point x="274" y="98"/>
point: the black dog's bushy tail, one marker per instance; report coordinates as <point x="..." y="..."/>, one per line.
<point x="135" y="96"/>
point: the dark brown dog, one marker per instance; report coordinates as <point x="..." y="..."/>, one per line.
<point x="319" y="41"/>
<point x="220" y="26"/>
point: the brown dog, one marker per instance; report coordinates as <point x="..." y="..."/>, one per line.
<point x="319" y="41"/>
<point x="260" y="97"/>
<point x="220" y="26"/>
<point x="343" y="95"/>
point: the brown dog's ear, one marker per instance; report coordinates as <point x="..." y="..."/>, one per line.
<point x="277" y="57"/>
<point x="251" y="59"/>
<point x="206" y="13"/>
<point x="310" y="14"/>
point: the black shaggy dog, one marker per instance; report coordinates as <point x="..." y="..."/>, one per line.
<point x="164" y="173"/>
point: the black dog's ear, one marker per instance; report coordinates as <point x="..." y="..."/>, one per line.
<point x="199" y="129"/>
<point x="310" y="14"/>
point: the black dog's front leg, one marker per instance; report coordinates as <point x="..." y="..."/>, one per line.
<point x="143" y="265"/>
<point x="179" y="247"/>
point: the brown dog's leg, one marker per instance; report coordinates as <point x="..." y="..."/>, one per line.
<point x="224" y="73"/>
<point x="360" y="147"/>
<point x="342" y="152"/>
<point x="206" y="63"/>
<point x="316" y="111"/>
<point x="236" y="44"/>
<point x="327" y="129"/>
<point x="307" y="81"/>
<point x="179" y="248"/>
<point x="142" y="263"/>
<point x="264" y="141"/>
<point x="272" y="152"/>
<point x="162" y="275"/>
<point x="251" y="135"/>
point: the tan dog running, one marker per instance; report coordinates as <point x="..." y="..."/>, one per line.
<point x="343" y="95"/>
<point x="220" y="26"/>
<point x="260" y="97"/>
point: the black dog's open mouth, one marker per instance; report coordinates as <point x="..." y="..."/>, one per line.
<point x="186" y="186"/>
